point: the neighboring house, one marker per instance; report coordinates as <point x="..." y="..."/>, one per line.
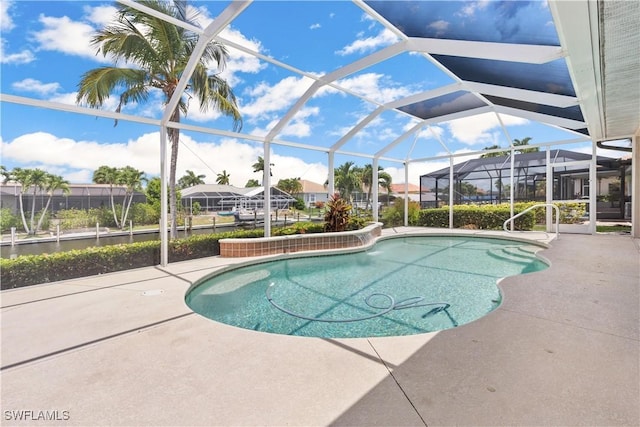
<point x="216" y="197"/>
<point x="81" y="196"/>
<point x="397" y="190"/>
<point x="312" y="192"/>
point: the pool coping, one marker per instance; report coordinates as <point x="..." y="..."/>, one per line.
<point x="562" y="349"/>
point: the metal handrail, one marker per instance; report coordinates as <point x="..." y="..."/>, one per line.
<point x="537" y="205"/>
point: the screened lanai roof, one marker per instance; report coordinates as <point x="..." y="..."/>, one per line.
<point x="489" y="166"/>
<point x="570" y="65"/>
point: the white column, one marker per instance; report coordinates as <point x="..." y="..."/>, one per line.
<point x="635" y="186"/>
<point x="451" y="192"/>
<point x="164" y="236"/>
<point x="330" y="177"/>
<point x="374" y="188"/>
<point x="406" y="194"/>
<point x="549" y="191"/>
<point x="512" y="182"/>
<point x="593" y="182"/>
<point x="266" y="183"/>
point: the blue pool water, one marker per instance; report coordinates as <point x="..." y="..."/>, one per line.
<point x="401" y="286"/>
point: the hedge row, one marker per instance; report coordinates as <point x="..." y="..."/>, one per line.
<point x="485" y="217"/>
<point x="34" y="269"/>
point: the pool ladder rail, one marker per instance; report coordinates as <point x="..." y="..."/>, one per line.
<point x="537" y="205"/>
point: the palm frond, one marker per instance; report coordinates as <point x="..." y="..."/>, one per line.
<point x="96" y="85"/>
<point x="213" y="91"/>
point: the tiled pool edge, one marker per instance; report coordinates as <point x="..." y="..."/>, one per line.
<point x="238" y="248"/>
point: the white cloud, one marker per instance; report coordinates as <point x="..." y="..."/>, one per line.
<point x="76" y="160"/>
<point x="32" y="85"/>
<point x="101" y="16"/>
<point x="298" y="126"/>
<point x="374" y="86"/>
<point x="268" y="99"/>
<point x="440" y="26"/>
<point x="24" y="57"/>
<point x="384" y="38"/>
<point x="64" y="35"/>
<point x="6" y="21"/>
<point x="315" y="26"/>
<point x="482" y="128"/>
<point x="239" y="61"/>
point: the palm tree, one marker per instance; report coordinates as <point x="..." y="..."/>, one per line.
<point x="22" y="176"/>
<point x="348" y="178"/>
<point x="385" y="181"/>
<point x="259" y="166"/>
<point x="132" y="179"/>
<point x="495" y="154"/>
<point x="516" y="143"/>
<point x="37" y="180"/>
<point x="367" y="178"/>
<point x="6" y="174"/>
<point x="525" y="141"/>
<point x="108" y="175"/>
<point x="52" y="184"/>
<point x="190" y="179"/>
<point x="252" y="183"/>
<point x="223" y="178"/>
<point x="290" y="185"/>
<point x="155" y="54"/>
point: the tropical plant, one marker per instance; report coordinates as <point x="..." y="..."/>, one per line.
<point x="252" y="183"/>
<point x="37" y="181"/>
<point x="290" y="185"/>
<point x="108" y="175"/>
<point x="516" y="143"/>
<point x="348" y="179"/>
<point x="223" y="178"/>
<point x="366" y="177"/>
<point x="53" y="183"/>
<point x="155" y="54"/>
<point x="259" y="166"/>
<point x="190" y="179"/>
<point x="21" y="176"/>
<point x="337" y="216"/>
<point x="132" y="179"/>
<point x="385" y="182"/>
<point x="6" y="174"/>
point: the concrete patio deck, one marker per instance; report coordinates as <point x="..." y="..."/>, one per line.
<point x="124" y="349"/>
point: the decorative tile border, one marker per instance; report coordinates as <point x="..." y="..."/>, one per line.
<point x="234" y="248"/>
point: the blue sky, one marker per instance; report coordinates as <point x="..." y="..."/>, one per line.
<point x="45" y="50"/>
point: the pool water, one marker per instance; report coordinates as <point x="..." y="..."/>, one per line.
<point x="401" y="286"/>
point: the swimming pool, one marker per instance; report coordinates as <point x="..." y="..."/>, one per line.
<point x="401" y="286"/>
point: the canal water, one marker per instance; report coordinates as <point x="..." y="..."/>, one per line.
<point x="68" y="243"/>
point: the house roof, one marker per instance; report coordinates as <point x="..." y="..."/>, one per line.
<point x="312" y="187"/>
<point x="399" y="188"/>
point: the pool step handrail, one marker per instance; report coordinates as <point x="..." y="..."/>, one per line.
<point x="537" y="205"/>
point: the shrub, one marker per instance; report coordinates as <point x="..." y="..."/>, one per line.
<point x="143" y="214"/>
<point x="33" y="269"/>
<point x="8" y="220"/>
<point x="298" y="228"/>
<point x="393" y="215"/>
<point x="485" y="217"/>
<point x="299" y="204"/>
